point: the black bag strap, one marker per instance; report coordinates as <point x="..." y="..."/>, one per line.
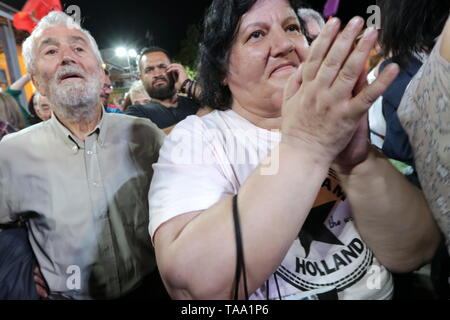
<point x="240" y="263"/>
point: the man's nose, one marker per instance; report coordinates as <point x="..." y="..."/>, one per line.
<point x="158" y="73"/>
<point x="67" y="56"/>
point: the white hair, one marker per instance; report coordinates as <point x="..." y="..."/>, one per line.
<point x="137" y="89"/>
<point x="307" y="15"/>
<point x="53" y="19"/>
<point x="137" y="85"/>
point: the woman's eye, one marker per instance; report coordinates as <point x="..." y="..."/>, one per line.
<point x="79" y="49"/>
<point x="293" y="27"/>
<point x="256" y="35"/>
<point x="51" y="52"/>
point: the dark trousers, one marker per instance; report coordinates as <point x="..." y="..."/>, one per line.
<point x="17" y="264"/>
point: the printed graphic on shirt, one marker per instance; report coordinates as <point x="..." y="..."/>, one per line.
<point x="329" y="254"/>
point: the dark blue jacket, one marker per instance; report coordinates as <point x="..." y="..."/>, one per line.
<point x="17" y="264"/>
<point x="396" y="144"/>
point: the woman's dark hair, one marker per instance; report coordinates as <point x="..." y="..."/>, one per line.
<point x="31" y="106"/>
<point x="219" y="29"/>
<point x="34" y="119"/>
<point x="409" y="27"/>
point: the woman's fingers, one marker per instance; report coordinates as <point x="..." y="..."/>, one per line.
<point x="361" y="84"/>
<point x="348" y="77"/>
<point x="320" y="48"/>
<point x="339" y="53"/>
<point x="366" y="98"/>
<point x="294" y="83"/>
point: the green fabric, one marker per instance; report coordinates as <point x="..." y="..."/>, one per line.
<point x="402" y="167"/>
<point x="16" y="95"/>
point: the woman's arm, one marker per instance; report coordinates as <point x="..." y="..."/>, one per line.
<point x="21" y="83"/>
<point x="196" y="253"/>
<point x="391" y="214"/>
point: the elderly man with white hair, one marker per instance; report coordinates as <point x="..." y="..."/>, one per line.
<point x="80" y="180"/>
<point x="314" y="22"/>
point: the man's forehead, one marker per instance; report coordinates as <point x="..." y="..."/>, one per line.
<point x="155" y="58"/>
<point x="61" y="33"/>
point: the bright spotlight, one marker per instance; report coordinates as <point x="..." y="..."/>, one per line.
<point x="121" y="52"/>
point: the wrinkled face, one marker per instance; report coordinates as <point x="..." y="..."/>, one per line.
<point x="267" y="50"/>
<point x="156" y="81"/>
<point x="68" y="72"/>
<point x="42" y="108"/>
<point x="107" y="89"/>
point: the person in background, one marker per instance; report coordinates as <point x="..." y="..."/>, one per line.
<point x="14" y="242"/>
<point x="34" y="117"/>
<point x="408" y="33"/>
<point x="138" y="94"/>
<point x="16" y="90"/>
<point x="6" y="128"/>
<point x="165" y="83"/>
<point x="424" y="113"/>
<point x="107" y="89"/>
<point x="39" y="107"/>
<point x="409" y="30"/>
<point x="10" y="112"/>
<point x="314" y="22"/>
<point x="126" y="102"/>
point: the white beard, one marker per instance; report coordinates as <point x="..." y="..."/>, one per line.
<point x="77" y="100"/>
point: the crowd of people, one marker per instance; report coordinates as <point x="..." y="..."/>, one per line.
<point x="288" y="170"/>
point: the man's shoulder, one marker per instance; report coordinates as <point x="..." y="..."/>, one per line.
<point x="122" y="123"/>
<point x="25" y="136"/>
<point x="122" y="119"/>
<point x="150" y="106"/>
<point x="24" y="141"/>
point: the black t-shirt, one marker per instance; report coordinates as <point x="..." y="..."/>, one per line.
<point x="162" y="116"/>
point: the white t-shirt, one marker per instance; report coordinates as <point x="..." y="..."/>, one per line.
<point x="377" y="123"/>
<point x="207" y="159"/>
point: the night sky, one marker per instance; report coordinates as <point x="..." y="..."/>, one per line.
<point x="125" y="23"/>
